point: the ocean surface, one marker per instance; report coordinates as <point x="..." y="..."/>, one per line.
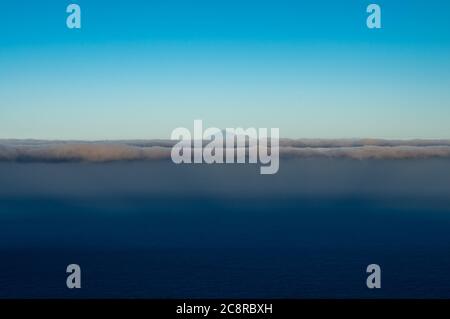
<point x="159" y="230"/>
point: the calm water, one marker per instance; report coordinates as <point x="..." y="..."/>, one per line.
<point x="159" y="230"/>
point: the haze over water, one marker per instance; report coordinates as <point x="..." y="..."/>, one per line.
<point x="155" y="229"/>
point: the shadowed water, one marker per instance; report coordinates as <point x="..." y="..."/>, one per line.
<point x="155" y="229"/>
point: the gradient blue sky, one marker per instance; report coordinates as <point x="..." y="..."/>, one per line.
<point x="139" y="69"/>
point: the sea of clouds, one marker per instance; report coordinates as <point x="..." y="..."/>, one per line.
<point x="131" y="150"/>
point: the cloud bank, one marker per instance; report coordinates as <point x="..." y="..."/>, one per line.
<point x="139" y="150"/>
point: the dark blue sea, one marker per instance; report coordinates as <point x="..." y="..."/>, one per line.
<point x="160" y="230"/>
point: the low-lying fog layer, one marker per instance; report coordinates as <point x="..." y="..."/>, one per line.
<point x="104" y="151"/>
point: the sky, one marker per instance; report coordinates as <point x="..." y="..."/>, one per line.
<point x="139" y="69"/>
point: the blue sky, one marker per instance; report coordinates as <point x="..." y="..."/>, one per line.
<point x="139" y="69"/>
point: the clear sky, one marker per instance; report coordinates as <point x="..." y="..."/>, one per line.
<point x="139" y="69"/>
